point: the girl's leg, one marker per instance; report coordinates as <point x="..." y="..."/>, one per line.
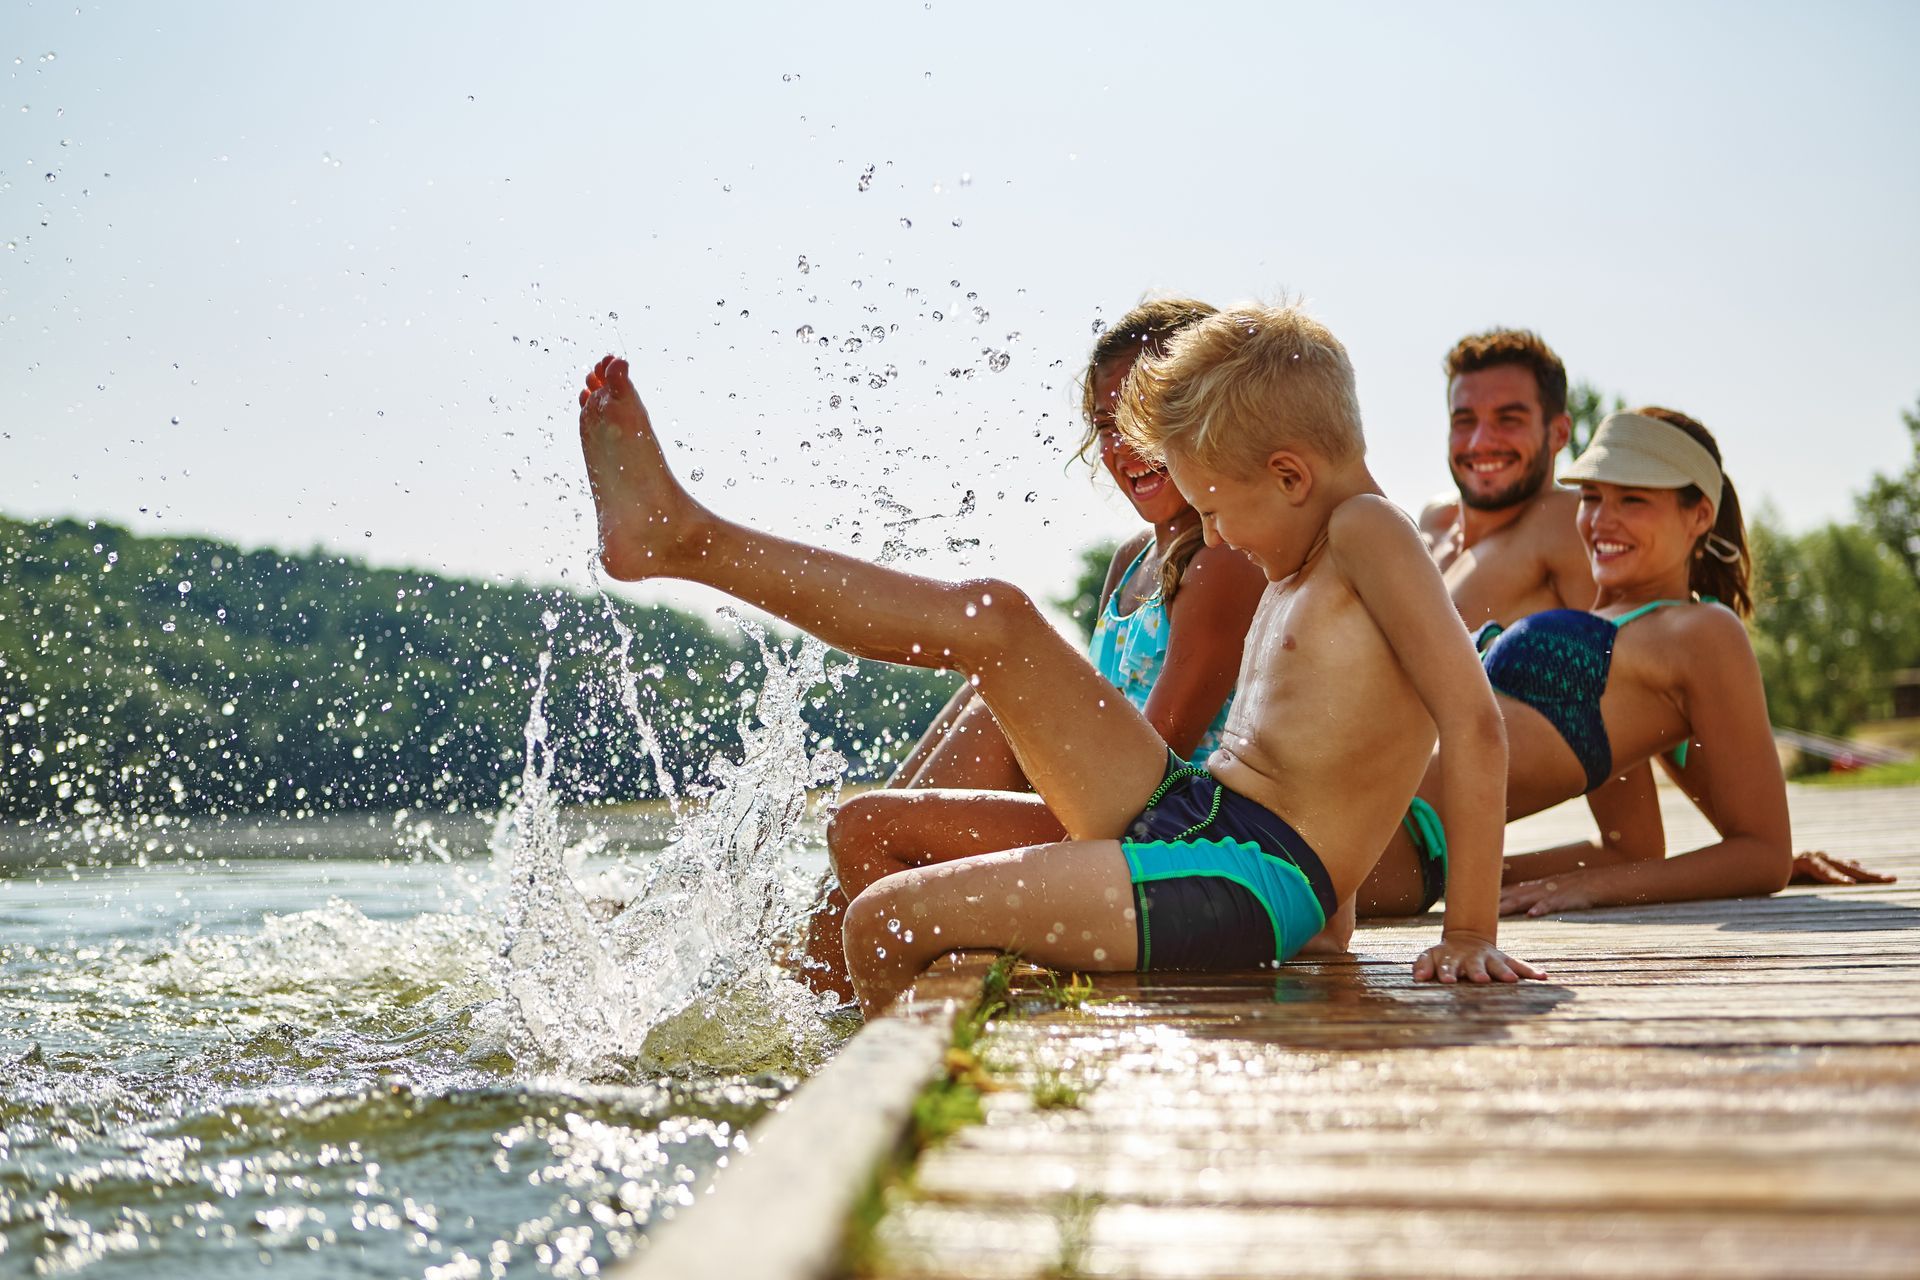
<point x="974" y="756"/>
<point x="1067" y="905"/>
<point x="1086" y="750"/>
<point x="882" y="833"/>
<point x="936" y="733"/>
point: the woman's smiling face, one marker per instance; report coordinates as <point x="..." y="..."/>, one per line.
<point x="1145" y="484"/>
<point x="1638" y="535"/>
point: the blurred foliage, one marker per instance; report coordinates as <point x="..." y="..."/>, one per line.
<point x="186" y="674"/>
<point x="1891" y="505"/>
<point x="1082" y="603"/>
<point x="1586" y="405"/>
<point x="1836" y="613"/>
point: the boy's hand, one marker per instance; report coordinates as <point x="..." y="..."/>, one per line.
<point x="1470" y="957"/>
<point x="1568" y="891"/>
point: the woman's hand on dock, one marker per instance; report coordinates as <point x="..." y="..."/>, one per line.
<point x="1820" y="867"/>
<point x="1468" y="957"/>
<point x="1568" y="891"/>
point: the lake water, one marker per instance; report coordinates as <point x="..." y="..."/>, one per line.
<point x="284" y="1047"/>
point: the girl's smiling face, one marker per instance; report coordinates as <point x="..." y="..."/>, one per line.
<point x="1145" y="484"/>
<point x="1637" y="535"/>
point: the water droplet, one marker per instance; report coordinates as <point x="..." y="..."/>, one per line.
<point x="1099" y="327"/>
<point x="998" y="361"/>
<point x="804" y="332"/>
<point x="167" y="627"/>
<point x="906" y="223"/>
<point x="613" y="315"/>
<point x="938" y="316"/>
<point x="833" y="402"/>
<point x="549" y="619"/>
<point x="176" y="421"/>
<point x="185" y="586"/>
<point x="697" y="474"/>
<point x="980" y="315"/>
<point x="866" y="178"/>
<point x="804" y="268"/>
<point x="966" y="179"/>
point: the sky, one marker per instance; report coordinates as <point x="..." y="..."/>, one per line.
<point x="302" y="276"/>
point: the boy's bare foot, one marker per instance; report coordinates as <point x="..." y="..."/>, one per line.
<point x="646" y="518"/>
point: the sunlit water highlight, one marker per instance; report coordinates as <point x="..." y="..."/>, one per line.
<point x="406" y="1047"/>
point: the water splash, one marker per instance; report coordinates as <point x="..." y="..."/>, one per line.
<point x="672" y="956"/>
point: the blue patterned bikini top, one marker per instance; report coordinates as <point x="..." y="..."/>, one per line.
<point x="1557" y="662"/>
<point x="1129" y="649"/>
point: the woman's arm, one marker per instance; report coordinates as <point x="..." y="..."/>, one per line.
<point x="1743" y="791"/>
<point x="1627" y="811"/>
<point x="1207" y="628"/>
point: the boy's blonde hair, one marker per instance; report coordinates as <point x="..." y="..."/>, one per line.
<point x="1240" y="384"/>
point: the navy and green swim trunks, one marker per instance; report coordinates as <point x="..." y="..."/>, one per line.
<point x="1219" y="881"/>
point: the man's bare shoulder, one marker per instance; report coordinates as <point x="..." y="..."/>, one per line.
<point x="1439" y="514"/>
<point x="1554" y="505"/>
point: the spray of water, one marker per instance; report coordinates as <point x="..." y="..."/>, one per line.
<point x="670" y="958"/>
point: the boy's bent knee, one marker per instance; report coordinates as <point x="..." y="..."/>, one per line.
<point x="1006" y="613"/>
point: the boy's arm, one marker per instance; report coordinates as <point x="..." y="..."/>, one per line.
<point x="1381" y="556"/>
<point x="1207" y="629"/>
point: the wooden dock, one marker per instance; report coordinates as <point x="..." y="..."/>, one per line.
<point x="1723" y="1089"/>
<point x="1705" y="1090"/>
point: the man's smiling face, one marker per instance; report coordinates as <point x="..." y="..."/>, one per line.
<point x="1499" y="447"/>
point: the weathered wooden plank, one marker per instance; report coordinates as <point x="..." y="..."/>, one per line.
<point x="1090" y="1239"/>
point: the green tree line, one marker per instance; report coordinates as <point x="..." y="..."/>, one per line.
<point x="191" y="675"/>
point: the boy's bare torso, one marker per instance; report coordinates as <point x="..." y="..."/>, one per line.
<point x="1326" y="729"/>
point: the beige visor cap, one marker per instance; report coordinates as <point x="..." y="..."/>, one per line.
<point x="1646" y="453"/>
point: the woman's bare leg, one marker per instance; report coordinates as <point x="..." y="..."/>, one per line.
<point x="1092" y="756"/>
<point x="1066" y="905"/>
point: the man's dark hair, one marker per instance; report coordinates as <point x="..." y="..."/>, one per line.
<point x="1514" y="346"/>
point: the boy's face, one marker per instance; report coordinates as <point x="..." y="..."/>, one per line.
<point x="1499" y="447"/>
<point x="1252" y="514"/>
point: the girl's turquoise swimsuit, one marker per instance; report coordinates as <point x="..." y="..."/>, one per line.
<point x="1130" y="648"/>
<point x="1219" y="881"/>
<point x="1557" y="662"/>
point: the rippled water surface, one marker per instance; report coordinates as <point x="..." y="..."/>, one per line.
<point x="215" y="1062"/>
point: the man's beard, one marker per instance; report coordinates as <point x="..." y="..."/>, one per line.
<point x="1522" y="490"/>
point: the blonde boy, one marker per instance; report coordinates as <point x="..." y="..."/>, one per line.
<point x="1354" y="664"/>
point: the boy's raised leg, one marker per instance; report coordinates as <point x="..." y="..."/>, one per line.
<point x="1086" y="750"/>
